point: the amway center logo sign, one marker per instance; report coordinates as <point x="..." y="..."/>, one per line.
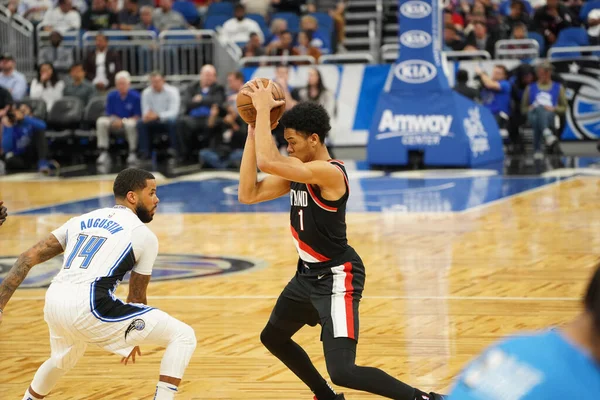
<point x="415" y="39"/>
<point x="415" y="9"/>
<point x="414" y="129"/>
<point x="415" y="71"/>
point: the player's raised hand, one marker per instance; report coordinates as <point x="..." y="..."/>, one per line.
<point x="261" y="95"/>
<point x="136" y="350"/>
<point x="3" y="215"/>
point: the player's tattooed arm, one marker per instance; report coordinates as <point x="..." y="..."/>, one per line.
<point x="41" y="252"/>
<point x="138" y="284"/>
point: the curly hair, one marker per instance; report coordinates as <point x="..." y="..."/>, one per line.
<point x="307" y="118"/>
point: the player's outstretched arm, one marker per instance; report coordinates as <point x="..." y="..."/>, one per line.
<point x="3" y="213"/>
<point x="251" y="190"/>
<point x="43" y="251"/>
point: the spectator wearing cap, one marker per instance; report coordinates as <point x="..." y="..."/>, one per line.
<point x="55" y="54"/>
<point x="238" y="28"/>
<point x="123" y="111"/>
<point x="129" y="16"/>
<point x="11" y="79"/>
<point x="550" y="19"/>
<point x="102" y="64"/>
<point x="593" y="21"/>
<point x="99" y="17"/>
<point x="62" y="18"/>
<point x="78" y="86"/>
<point x="542" y="101"/>
<point x="166" y="18"/>
<point x="34" y="10"/>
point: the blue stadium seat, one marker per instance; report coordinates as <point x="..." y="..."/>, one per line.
<point x="292" y="19"/>
<point x="572" y="54"/>
<point x="325" y="21"/>
<point x="261" y="22"/>
<point x="188" y="10"/>
<point x="539" y="39"/>
<point x="212" y="21"/>
<point x="574" y="36"/>
<point x="586" y="8"/>
<point x="223" y="8"/>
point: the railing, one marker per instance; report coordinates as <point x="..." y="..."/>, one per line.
<point x="184" y="52"/>
<point x="17" y="38"/>
<point x="572" y="51"/>
<point x="347" y="58"/>
<point x="389" y="54"/>
<point x="517" y="49"/>
<point x="374" y="42"/>
<point x="266" y="60"/>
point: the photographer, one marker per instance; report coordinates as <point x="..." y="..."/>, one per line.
<point x="23" y="140"/>
<point x="495" y="93"/>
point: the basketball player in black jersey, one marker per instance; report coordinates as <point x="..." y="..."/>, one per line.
<point x="330" y="276"/>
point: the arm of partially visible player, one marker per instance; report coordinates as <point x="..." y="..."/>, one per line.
<point x="3" y="213"/>
<point x="250" y="190"/>
<point x="41" y="252"/>
<point x="145" y="248"/>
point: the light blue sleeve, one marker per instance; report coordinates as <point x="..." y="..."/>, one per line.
<point x="173" y="111"/>
<point x="20" y="88"/>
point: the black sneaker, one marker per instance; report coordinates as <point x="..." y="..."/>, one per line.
<point x="436" y="396"/>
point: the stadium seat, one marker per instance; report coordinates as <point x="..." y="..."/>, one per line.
<point x="586" y="8"/>
<point x="325" y="22"/>
<point x="573" y="36"/>
<point x="260" y="20"/>
<point x="64" y="117"/>
<point x="188" y="10"/>
<point x="94" y="110"/>
<point x="539" y="39"/>
<point x="223" y="8"/>
<point x="38" y="107"/>
<point x="571" y="54"/>
<point x="292" y="19"/>
<point x="213" y="21"/>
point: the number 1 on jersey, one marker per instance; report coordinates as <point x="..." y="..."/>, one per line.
<point x="87" y="252"/>
<point x="301" y="214"/>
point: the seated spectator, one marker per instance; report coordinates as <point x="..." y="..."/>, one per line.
<point x="310" y="25"/>
<point x="521" y="78"/>
<point x="23" y="141"/>
<point x="495" y="93"/>
<point x="102" y="64"/>
<point x="99" y="17"/>
<point x="574" y="7"/>
<point x="146" y="23"/>
<point x="12" y="6"/>
<point x="165" y="18"/>
<point x="78" y="86"/>
<point x="160" y="108"/>
<point x="11" y="79"/>
<point x="518" y="16"/>
<point x="519" y="32"/>
<point x="34" y="10"/>
<point x="542" y="102"/>
<point x="305" y="47"/>
<point x="47" y="86"/>
<point x="253" y="48"/>
<point x="114" y="6"/>
<point x="593" y="21"/>
<point x="198" y="99"/>
<point x="59" y="56"/>
<point x="452" y="40"/>
<point x="481" y="39"/>
<point x="462" y="78"/>
<point x="227" y="130"/>
<point x="62" y="18"/>
<point x="238" y="28"/>
<point x="129" y="16"/>
<point x="284" y="47"/>
<point x="257" y="6"/>
<point x="123" y="111"/>
<point x="278" y="26"/>
<point x="453" y="18"/>
<point x="293" y="6"/>
<point x="316" y="92"/>
<point x="550" y="19"/>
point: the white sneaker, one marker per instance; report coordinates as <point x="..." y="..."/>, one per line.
<point x="103" y="158"/>
<point x="132" y="159"/>
<point x="538" y="155"/>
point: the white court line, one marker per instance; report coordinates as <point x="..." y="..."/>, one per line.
<point x="474" y="298"/>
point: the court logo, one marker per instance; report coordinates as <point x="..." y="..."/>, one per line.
<point x="167" y="267"/>
<point x="415" y="71"/>
<point x="415" y="39"/>
<point x="415" y="9"/>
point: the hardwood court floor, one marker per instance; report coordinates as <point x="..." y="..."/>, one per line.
<point x="440" y="287"/>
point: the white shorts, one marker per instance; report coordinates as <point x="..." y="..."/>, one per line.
<point x="73" y="325"/>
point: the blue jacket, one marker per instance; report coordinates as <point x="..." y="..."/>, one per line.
<point x="16" y="139"/>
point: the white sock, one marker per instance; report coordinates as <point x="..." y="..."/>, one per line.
<point x="29" y="396"/>
<point x="165" y="391"/>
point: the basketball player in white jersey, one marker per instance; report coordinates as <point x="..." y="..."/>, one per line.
<point x="100" y="248"/>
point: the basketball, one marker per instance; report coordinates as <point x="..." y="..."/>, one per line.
<point x="247" y="110"/>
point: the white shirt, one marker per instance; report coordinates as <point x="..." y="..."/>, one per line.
<point x="26" y="5"/>
<point x="100" y="69"/>
<point x="239" y="31"/>
<point x="62" y="22"/>
<point x="594" y="30"/>
<point x="100" y="244"/>
<point x="164" y="103"/>
<point x="47" y="93"/>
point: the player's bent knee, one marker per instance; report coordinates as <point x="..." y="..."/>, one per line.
<point x="341" y="374"/>
<point x="187" y="337"/>
<point x="269" y="336"/>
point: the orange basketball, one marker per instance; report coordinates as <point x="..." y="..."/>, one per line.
<point x="247" y="110"/>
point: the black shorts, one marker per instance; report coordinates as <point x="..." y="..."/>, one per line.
<point x="325" y="293"/>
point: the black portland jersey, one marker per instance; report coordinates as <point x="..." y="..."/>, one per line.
<point x="318" y="225"/>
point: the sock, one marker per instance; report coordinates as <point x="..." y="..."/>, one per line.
<point x="165" y="391"/>
<point x="29" y="396"/>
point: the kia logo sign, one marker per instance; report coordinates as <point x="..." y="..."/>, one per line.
<point x="415" y="71"/>
<point x="415" y="9"/>
<point x="415" y="39"/>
